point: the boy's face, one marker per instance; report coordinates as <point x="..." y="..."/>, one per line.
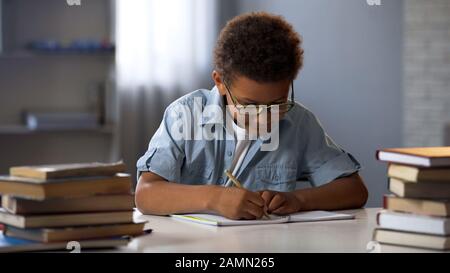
<point x="246" y="91"/>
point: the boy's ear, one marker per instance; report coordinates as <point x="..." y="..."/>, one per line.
<point x="217" y="78"/>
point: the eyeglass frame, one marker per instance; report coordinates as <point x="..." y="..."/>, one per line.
<point x="259" y="107"/>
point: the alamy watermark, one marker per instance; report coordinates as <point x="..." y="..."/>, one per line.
<point x="74" y="246"/>
<point x="373" y="2"/>
<point x="73" y="2"/>
<point x="373" y="247"/>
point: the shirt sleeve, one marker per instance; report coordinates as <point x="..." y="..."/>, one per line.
<point x="323" y="160"/>
<point x="165" y="153"/>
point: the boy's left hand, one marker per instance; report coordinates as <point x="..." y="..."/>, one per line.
<point x="280" y="202"/>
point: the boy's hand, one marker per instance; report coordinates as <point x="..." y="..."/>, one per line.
<point x="280" y="202"/>
<point x="236" y="203"/>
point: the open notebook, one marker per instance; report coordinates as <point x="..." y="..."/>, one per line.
<point x="308" y="216"/>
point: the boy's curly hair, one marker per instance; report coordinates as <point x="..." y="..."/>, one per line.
<point x="260" y="46"/>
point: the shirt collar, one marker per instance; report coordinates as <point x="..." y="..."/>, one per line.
<point x="213" y="98"/>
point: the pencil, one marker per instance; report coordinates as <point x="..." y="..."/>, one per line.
<point x="239" y="185"/>
<point x="233" y="179"/>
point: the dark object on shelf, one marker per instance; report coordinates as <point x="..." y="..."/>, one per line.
<point x="76" y="46"/>
<point x="61" y="120"/>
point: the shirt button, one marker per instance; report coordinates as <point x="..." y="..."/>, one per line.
<point x="230" y="153"/>
<point x="220" y="180"/>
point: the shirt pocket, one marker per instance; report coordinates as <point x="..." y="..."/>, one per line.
<point x="276" y="175"/>
<point x="199" y="171"/>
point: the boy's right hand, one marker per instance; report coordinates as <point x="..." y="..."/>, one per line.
<point x="236" y="203"/>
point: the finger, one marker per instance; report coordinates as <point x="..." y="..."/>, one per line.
<point x="267" y="196"/>
<point x="283" y="210"/>
<point x="242" y="214"/>
<point x="255" y="198"/>
<point x="254" y="210"/>
<point x="277" y="201"/>
<point x="248" y="216"/>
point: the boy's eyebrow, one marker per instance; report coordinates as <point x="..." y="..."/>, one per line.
<point x="249" y="101"/>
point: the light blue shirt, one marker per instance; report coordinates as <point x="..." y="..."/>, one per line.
<point x="305" y="151"/>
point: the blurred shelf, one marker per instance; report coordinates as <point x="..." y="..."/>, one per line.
<point x="27" y="54"/>
<point x="23" y="130"/>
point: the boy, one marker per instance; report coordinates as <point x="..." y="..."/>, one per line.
<point x="257" y="57"/>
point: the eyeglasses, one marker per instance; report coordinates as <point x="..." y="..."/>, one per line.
<point x="243" y="109"/>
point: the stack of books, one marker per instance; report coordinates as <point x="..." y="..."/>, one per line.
<point x="417" y="213"/>
<point x="54" y="204"/>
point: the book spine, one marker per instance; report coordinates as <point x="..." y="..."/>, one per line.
<point x="377" y="155"/>
<point x="9" y="204"/>
<point x="378" y="217"/>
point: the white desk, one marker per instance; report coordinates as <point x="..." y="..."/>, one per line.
<point x="172" y="235"/>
